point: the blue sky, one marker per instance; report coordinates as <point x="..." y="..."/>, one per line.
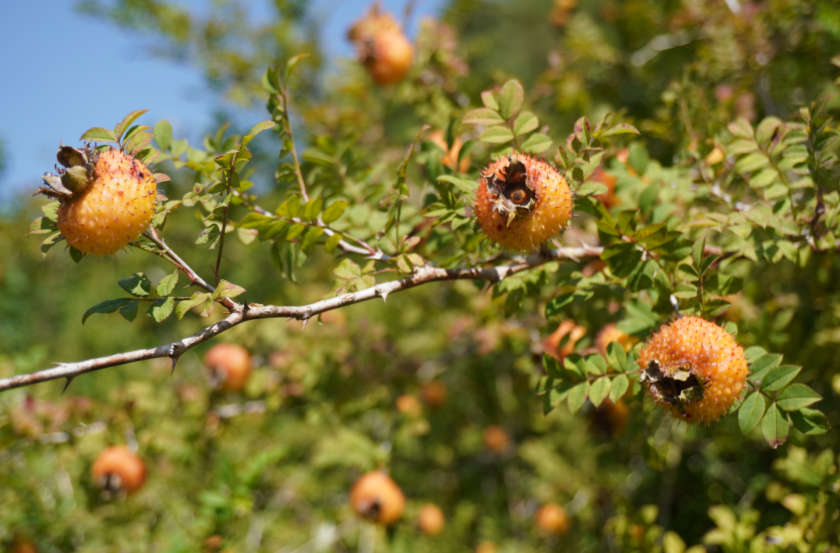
<point x="47" y="95"/>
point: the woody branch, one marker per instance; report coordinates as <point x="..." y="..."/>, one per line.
<point x="250" y="312"/>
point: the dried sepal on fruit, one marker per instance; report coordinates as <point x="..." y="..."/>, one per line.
<point x="382" y="46"/>
<point x="376" y="497"/>
<point x="107" y="198"/>
<point x="694" y="368"/>
<point x="522" y="202"/>
<point x="118" y="472"/>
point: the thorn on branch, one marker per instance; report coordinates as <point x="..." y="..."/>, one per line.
<point x="67" y="384"/>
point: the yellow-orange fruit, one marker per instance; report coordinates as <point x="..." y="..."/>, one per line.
<point x="610" y="334"/>
<point x="383" y="48"/>
<point x="495" y="438"/>
<point x="552" y="519"/>
<point x="485" y="547"/>
<point x="430" y="519"/>
<point x="113" y="209"/>
<point x="22" y="545"/>
<point x="229" y="366"/>
<point x="118" y="471"/>
<point x="434" y="393"/>
<point x="694" y="368"/>
<point x="608" y="198"/>
<point x="522" y="202"/>
<point x="409" y="406"/>
<point x="377" y="498"/>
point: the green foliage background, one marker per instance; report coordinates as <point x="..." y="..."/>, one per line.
<point x="727" y="200"/>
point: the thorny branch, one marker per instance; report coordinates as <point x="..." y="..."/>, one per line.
<point x="249" y="312"/>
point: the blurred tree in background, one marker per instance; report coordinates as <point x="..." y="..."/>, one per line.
<point x="727" y="201"/>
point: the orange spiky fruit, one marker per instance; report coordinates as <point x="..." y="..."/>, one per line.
<point x="694" y="369"/>
<point x="522" y="202"/>
<point x="118" y="471"/>
<point x="376" y="497"/>
<point x="382" y="46"/>
<point x="107" y="198"/>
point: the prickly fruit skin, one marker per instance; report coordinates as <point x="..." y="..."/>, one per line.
<point x="430" y="519"/>
<point x="116" y="206"/>
<point x="229" y="366"/>
<point x="522" y="202"/>
<point x="552" y="519"/>
<point x="694" y="368"/>
<point x="118" y="471"/>
<point x="377" y="498"/>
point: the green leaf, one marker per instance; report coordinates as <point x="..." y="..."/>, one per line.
<point x="468" y="187"/>
<point x="167" y="284"/>
<point x="763" y="364"/>
<point x="99" y="134"/>
<point x="310" y="239"/>
<point x="751" y="162"/>
<point x="511" y="98"/>
<point x="751" y="411"/>
<point x="616" y="356"/>
<point x="552" y="367"/>
<point x="312" y="209"/>
<point x="577" y="396"/>
<point x="196" y="299"/>
<point x="525" y="123"/>
<point x="482" y="116"/>
<point x="496" y="135"/>
<point x="42" y="225"/>
<point x="779" y="377"/>
<point x="163" y="135"/>
<point x="741" y="128"/>
<point x="774" y="427"/>
<point x="763" y="178"/>
<point x="161" y="309"/>
<point x="621" y="128"/>
<point x="227" y="289"/>
<point x="257" y="129"/>
<point x="127" y="121"/>
<point x="332" y="243"/>
<point x="489" y="100"/>
<point x="599" y="391"/>
<point x="797" y="396"/>
<point x="536" y="143"/>
<point x="107" y="306"/>
<point x="766" y="129"/>
<point x="129" y="310"/>
<point x="137" y="284"/>
<point x="292" y="63"/>
<point x="810" y="422"/>
<point x="619" y="387"/>
<point x="334" y="212"/>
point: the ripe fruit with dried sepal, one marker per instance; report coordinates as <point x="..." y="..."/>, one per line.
<point x="552" y="519"/>
<point x="522" y="202"/>
<point x="377" y="498"/>
<point x="434" y="393"/>
<point x="382" y="46"/>
<point x="118" y="472"/>
<point x="430" y="519"/>
<point x="107" y="198"/>
<point x="694" y="368"/>
<point x="228" y="366"/>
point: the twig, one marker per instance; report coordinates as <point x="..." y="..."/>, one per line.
<point x="225" y="217"/>
<point x="170" y="255"/>
<point x="240" y="314"/>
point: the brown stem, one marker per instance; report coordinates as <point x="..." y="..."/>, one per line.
<point x="241" y="314"/>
